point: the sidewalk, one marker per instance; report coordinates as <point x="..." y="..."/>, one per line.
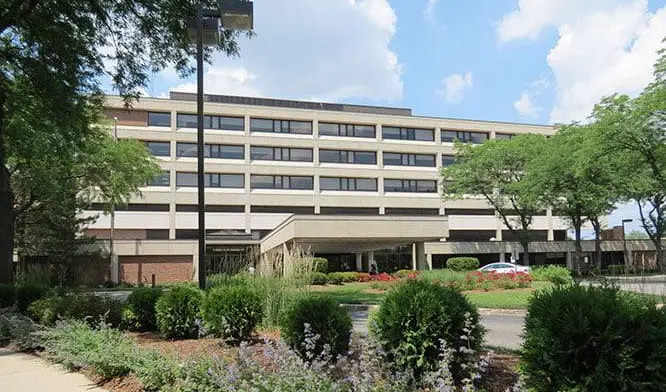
<point x="27" y="373"/>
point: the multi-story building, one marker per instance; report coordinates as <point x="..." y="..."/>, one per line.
<point x="345" y="181"/>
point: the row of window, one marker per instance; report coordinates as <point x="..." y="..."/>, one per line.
<point x="327" y="129"/>
<point x="237" y="181"/>
<point x="297" y="154"/>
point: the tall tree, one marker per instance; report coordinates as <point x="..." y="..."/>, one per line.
<point x="51" y="63"/>
<point x="496" y="171"/>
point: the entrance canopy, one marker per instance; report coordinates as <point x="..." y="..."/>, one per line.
<point x="352" y="233"/>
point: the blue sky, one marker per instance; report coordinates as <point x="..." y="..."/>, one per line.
<point x="534" y="61"/>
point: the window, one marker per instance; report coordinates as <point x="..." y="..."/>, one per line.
<point x="221" y="151"/>
<point x="162" y="179"/>
<point x="281" y="126"/>
<point x="258" y="153"/>
<point x="448" y="160"/>
<point x="348" y="184"/>
<point x="331" y="129"/>
<point x="343" y="156"/>
<point x="397" y="133"/>
<point x="416" y="186"/>
<point x="211" y="180"/>
<point x="281" y="182"/>
<point x="159" y="149"/>
<point x="398" y="159"/>
<point x="211" y="122"/>
<point x="464" y="137"/>
<point x="504" y="136"/>
<point x="159" y="119"/>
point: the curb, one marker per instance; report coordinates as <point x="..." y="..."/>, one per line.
<point x="506" y="312"/>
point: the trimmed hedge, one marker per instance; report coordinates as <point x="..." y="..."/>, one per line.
<point x="416" y="316"/>
<point x="594" y="339"/>
<point x="336" y="278"/>
<point x="232" y="312"/>
<point x="177" y="312"/>
<point x="462" y="263"/>
<point x="327" y="322"/>
<point x="318" y="278"/>
<point x="79" y="306"/>
<point x="139" y="311"/>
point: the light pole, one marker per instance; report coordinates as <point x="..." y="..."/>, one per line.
<point x="624" y="243"/>
<point x="234" y="15"/>
<point x="112" y="253"/>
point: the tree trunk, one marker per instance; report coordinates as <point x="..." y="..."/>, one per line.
<point x="6" y="207"/>
<point x="597" y="242"/>
<point x="659" y="252"/>
<point x="578" y="255"/>
<point x="526" y="251"/>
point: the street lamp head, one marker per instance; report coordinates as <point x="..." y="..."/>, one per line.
<point x="211" y="31"/>
<point x="627" y="220"/>
<point x="237" y="14"/>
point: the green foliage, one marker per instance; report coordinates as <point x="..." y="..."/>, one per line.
<point x="78" y="306"/>
<point x="232" y="312"/>
<point x="462" y="263"/>
<point x="320" y="264"/>
<point x="552" y="273"/>
<point x="156" y="372"/>
<point x="177" y="312"/>
<point x="139" y="311"/>
<point x="7" y="295"/>
<point x="349" y="277"/>
<point x="28" y="293"/>
<point x="444" y="276"/>
<point x="417" y="317"/>
<point x="336" y="278"/>
<point x="594" y="339"/>
<point x="318" y="278"/>
<point x="18" y="330"/>
<point x="313" y="322"/>
<point x="617" y="269"/>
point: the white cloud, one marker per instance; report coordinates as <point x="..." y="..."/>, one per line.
<point x="454" y="86"/>
<point x="525" y="106"/>
<point x="604" y="46"/>
<point x="304" y="49"/>
<point x="429" y="10"/>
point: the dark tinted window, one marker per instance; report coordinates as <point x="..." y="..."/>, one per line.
<point x="186" y="179"/>
<point x="280" y="154"/>
<point x="417" y="186"/>
<point x="464" y="136"/>
<point x="159" y="149"/>
<point x="398" y="159"/>
<point x="448" y="160"/>
<point x="347" y="184"/>
<point x="281" y="182"/>
<point x="344" y="156"/>
<point x="281" y="126"/>
<point x="408" y="134"/>
<point x="159" y="119"/>
<point x="504" y="136"/>
<point x="211" y="151"/>
<point x="162" y="179"/>
<point x="211" y="180"/>
<point x="211" y="122"/>
<point x="350" y="130"/>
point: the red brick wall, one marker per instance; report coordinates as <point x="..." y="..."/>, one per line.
<point x="136" y="269"/>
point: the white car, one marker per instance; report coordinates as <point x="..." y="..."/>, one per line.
<point x="504" y="268"/>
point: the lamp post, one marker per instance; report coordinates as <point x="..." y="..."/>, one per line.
<point x="624" y="242"/>
<point x="234" y="15"/>
<point x="112" y="253"/>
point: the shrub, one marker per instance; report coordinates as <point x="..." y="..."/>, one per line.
<point x="139" y="311"/>
<point x="177" y="312"/>
<point x="616" y="269"/>
<point x="552" y="273"/>
<point x="318" y="278"/>
<point x="313" y="322"/>
<point x="462" y="263"/>
<point x="363" y="277"/>
<point x="18" y="330"/>
<point x="320" y="264"/>
<point x="594" y="339"/>
<point x="475" y="280"/>
<point x="28" y="293"/>
<point x="406" y="274"/>
<point x="335" y="278"/>
<point x="417" y="318"/>
<point x="232" y="312"/>
<point x="85" y="307"/>
<point x="349" y="277"/>
<point x="7" y="295"/>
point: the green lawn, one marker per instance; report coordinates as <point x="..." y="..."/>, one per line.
<point x="355" y="293"/>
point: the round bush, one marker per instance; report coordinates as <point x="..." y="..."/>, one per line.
<point x="416" y="316"/>
<point x="552" y="273"/>
<point x="462" y="263"/>
<point x="335" y="278"/>
<point x="177" y="312"/>
<point x="318" y="278"/>
<point x="139" y="311"/>
<point x="232" y="312"/>
<point x="320" y="264"/>
<point x="594" y="339"/>
<point x="28" y="293"/>
<point x="328" y="324"/>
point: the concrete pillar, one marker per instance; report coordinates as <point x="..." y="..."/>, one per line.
<point x="359" y="261"/>
<point x="429" y="260"/>
<point x="195" y="263"/>
<point x="418" y="256"/>
<point x="371" y="259"/>
<point x="501" y="257"/>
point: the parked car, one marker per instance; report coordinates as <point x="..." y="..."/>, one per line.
<point x="504" y="268"/>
